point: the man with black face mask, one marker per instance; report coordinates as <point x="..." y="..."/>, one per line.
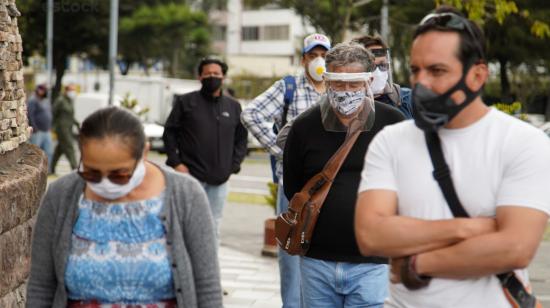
<point x="461" y="236"/>
<point x="203" y="135"/>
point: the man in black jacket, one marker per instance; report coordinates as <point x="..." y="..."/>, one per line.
<point x="333" y="272"/>
<point x="203" y="135"/>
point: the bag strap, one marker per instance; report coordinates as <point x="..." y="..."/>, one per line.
<point x="442" y="175"/>
<point x="333" y="165"/>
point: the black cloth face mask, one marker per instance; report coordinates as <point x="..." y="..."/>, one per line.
<point x="431" y="111"/>
<point x="211" y="84"/>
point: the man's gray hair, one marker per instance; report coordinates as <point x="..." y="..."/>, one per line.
<point x="348" y="53"/>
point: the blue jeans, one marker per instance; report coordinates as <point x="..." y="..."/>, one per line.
<point x="340" y="284"/>
<point x="43" y="140"/>
<point x="289" y="266"/>
<point x="216" y="197"/>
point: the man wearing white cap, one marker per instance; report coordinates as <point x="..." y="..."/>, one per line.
<point x="279" y="104"/>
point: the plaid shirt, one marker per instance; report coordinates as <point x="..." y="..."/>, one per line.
<point x="267" y="108"/>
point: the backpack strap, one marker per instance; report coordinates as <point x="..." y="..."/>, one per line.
<point x="290" y="88"/>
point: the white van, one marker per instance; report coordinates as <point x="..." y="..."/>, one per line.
<point x="86" y="103"/>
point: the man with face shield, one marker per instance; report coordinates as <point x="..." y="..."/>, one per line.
<point x="333" y="272"/>
<point x="382" y="86"/>
<point x="496" y="165"/>
<point x="279" y="104"/>
<point x="203" y="135"/>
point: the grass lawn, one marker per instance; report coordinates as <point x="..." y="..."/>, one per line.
<point x="547" y="233"/>
<point x="247" y="198"/>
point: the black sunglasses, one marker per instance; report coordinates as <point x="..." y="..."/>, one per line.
<point x="115" y="177"/>
<point x="451" y="21"/>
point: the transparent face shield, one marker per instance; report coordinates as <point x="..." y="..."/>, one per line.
<point x="348" y="97"/>
<point x="382" y="82"/>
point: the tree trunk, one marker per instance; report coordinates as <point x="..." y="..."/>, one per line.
<point x="175" y="62"/>
<point x="60" y="65"/>
<point x="504" y="82"/>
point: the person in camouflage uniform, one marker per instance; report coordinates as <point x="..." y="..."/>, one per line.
<point x="63" y="116"/>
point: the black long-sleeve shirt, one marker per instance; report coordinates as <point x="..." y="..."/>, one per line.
<point x="308" y="147"/>
<point x="205" y="133"/>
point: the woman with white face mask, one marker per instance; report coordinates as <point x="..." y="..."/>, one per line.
<point x="122" y="231"/>
<point x="333" y="271"/>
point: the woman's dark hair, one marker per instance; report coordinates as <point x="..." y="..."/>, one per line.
<point x="114" y="122"/>
<point x="472" y="41"/>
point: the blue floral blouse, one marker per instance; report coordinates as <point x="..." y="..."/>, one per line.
<point x="118" y="253"/>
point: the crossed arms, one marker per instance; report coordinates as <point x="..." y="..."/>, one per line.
<point x="451" y="248"/>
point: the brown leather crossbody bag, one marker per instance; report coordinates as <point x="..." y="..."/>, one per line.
<point x="294" y="228"/>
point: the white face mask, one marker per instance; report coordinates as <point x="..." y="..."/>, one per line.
<point x="346" y="102"/>
<point x="71" y="94"/>
<point x="316" y="68"/>
<point x="379" y="82"/>
<point x="108" y="190"/>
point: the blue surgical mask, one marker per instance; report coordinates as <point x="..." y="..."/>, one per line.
<point x="108" y="190"/>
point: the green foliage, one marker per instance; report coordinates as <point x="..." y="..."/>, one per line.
<point x="171" y="32"/>
<point x="132" y="105"/>
<point x="514" y="109"/>
<point x="272" y="198"/>
<point x="248" y="86"/>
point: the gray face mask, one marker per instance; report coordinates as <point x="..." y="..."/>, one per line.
<point x="108" y="190"/>
<point x="346" y="102"/>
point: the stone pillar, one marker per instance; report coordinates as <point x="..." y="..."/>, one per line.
<point x="23" y="167"/>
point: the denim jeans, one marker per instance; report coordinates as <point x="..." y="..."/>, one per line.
<point x="289" y="266"/>
<point x="340" y="284"/>
<point x="43" y="140"/>
<point x="216" y="197"/>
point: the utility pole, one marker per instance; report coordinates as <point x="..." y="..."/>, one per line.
<point x="384" y="25"/>
<point x="113" y="39"/>
<point x="49" y="48"/>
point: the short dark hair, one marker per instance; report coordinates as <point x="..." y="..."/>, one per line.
<point x="212" y="60"/>
<point x="472" y="41"/>
<point x="370" y="40"/>
<point x="114" y="122"/>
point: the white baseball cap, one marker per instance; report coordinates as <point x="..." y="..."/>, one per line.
<point x="315" y="39"/>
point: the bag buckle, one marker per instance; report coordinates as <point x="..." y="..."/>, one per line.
<point x="441" y="172"/>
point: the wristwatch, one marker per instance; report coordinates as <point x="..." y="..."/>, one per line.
<point x="410" y="278"/>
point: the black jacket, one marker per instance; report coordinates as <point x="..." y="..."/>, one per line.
<point x="205" y="133"/>
<point x="308" y="148"/>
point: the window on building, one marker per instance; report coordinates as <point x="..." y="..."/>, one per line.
<point x="276" y="33"/>
<point x="251" y="33"/>
<point x="218" y="32"/>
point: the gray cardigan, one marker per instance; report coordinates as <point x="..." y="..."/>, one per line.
<point x="190" y="240"/>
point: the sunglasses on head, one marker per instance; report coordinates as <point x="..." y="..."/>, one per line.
<point x="114" y="177"/>
<point x="451" y="21"/>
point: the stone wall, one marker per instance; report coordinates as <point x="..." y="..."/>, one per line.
<point x="23" y="167"/>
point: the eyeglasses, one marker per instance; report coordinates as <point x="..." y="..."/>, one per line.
<point x="115" y="177"/>
<point x="339" y="85"/>
<point x="383" y="67"/>
<point x="451" y="21"/>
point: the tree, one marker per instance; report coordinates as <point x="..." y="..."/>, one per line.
<point x="165" y="32"/>
<point x="517" y="32"/>
<point x="81" y="27"/>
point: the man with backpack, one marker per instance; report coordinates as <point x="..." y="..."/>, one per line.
<point x="279" y="104"/>
<point x="383" y="87"/>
